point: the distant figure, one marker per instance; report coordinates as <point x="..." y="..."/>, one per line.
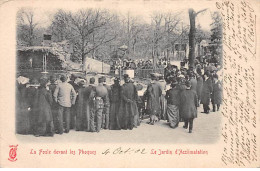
<point x="173" y="102"/>
<point x="206" y="92"/>
<point x="217" y="93"/>
<point x="188" y="106"/>
<point x="115" y="105"/>
<point x="65" y="96"/>
<point x="44" y="119"/>
<point x="129" y="116"/>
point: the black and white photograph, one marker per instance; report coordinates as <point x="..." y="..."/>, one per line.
<point x="129" y="84"/>
<point x="153" y="77"/>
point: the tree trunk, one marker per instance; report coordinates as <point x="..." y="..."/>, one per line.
<point x="192" y="33"/>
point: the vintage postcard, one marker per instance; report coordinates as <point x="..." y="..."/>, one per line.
<point x="129" y="84"/>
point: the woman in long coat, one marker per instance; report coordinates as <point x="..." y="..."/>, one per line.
<point x="188" y="106"/>
<point x="217" y="93"/>
<point x="173" y="102"/>
<point x="81" y="109"/>
<point x="44" y="117"/>
<point x="206" y="93"/>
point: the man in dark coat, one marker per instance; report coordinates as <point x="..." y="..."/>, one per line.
<point x="188" y="106"/>
<point x="31" y="93"/>
<point x="206" y="92"/>
<point x="217" y="93"/>
<point x="81" y="107"/>
<point x="115" y="100"/>
<point x="44" y="121"/>
<point x="105" y="122"/>
<point x="153" y="94"/>
<point x="73" y="109"/>
<point x="193" y="82"/>
<point x="128" y="107"/>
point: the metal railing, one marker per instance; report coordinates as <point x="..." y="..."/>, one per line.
<point x="141" y="73"/>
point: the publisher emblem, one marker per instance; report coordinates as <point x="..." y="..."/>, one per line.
<point x="12" y="153"/>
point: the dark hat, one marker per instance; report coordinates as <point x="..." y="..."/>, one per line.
<point x="53" y="78"/>
<point x="104" y="78"/>
<point x="188" y="83"/>
<point x="44" y="80"/>
<point x="117" y="79"/>
<point x="34" y="81"/>
<point x="126" y="76"/>
<point x="100" y="80"/>
<point x="92" y="80"/>
<point x="63" y="78"/>
<point x="81" y="83"/>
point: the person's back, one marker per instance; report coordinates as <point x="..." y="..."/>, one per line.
<point x="63" y="93"/>
<point x="172" y="96"/>
<point x="193" y="84"/>
<point x="129" y="91"/>
<point x="101" y="91"/>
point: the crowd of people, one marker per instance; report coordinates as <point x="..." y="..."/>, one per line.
<point x="127" y="64"/>
<point x="60" y="104"/>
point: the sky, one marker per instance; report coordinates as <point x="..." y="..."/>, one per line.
<point x="142" y="9"/>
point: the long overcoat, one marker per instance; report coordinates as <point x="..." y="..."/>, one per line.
<point x="217" y="93"/>
<point x="206" y="92"/>
<point x="188" y="104"/>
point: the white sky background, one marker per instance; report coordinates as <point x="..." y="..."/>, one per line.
<point x="143" y="9"/>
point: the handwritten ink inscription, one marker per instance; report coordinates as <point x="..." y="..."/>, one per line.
<point x="239" y="96"/>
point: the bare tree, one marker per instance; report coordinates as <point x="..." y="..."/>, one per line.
<point x="26" y="26"/>
<point x="192" y="34"/>
<point x="90" y="29"/>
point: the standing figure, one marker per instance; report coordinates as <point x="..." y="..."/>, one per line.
<point x="188" y="106"/>
<point x="81" y="107"/>
<point x="65" y="96"/>
<point x="105" y="122"/>
<point x="217" y="93"/>
<point x="73" y="109"/>
<point x="115" y="105"/>
<point x="163" y="102"/>
<point x="54" y="105"/>
<point x="153" y="94"/>
<point x="173" y="102"/>
<point x="31" y="93"/>
<point x="44" y="119"/>
<point x="90" y="103"/>
<point x="128" y="108"/>
<point x="22" y="112"/>
<point x="101" y="100"/>
<point x="206" y="93"/>
<point x="199" y="85"/>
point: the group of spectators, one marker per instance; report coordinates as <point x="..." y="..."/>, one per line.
<point x="58" y="105"/>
